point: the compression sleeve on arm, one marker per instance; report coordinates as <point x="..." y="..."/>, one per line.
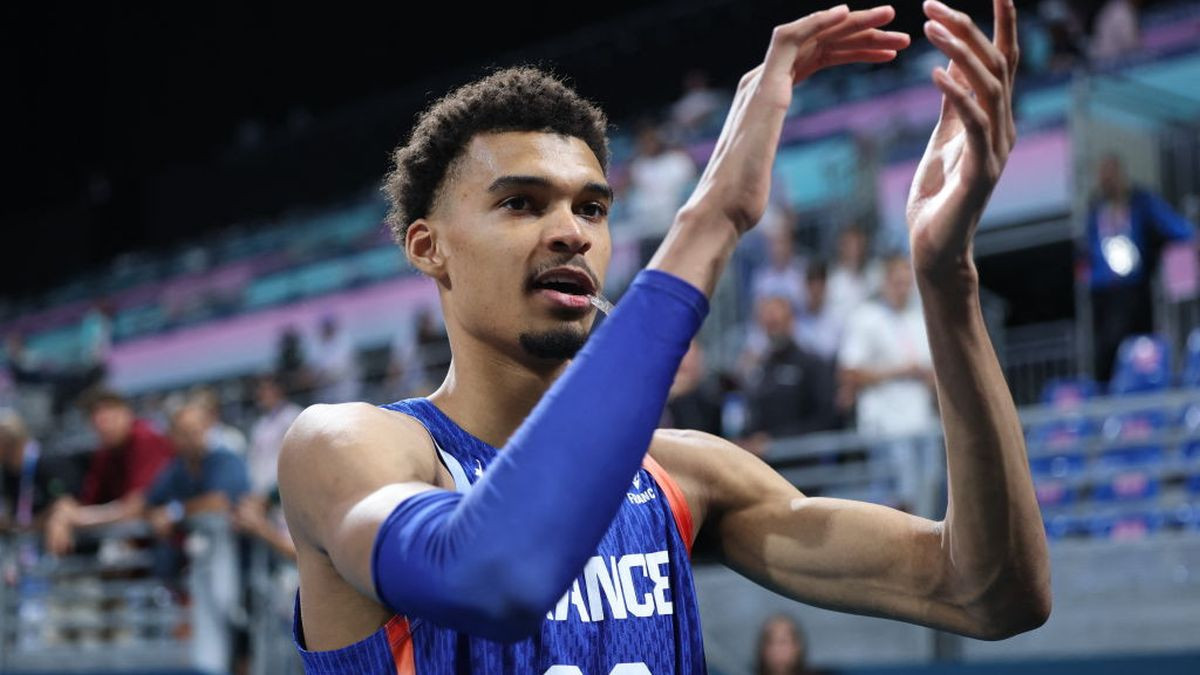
<point x="494" y="561"/>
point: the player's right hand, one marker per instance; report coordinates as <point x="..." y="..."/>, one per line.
<point x="737" y="180"/>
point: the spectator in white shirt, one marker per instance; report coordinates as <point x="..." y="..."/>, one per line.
<point x="854" y="277"/>
<point x="266" y="437"/>
<point x="658" y="177"/>
<point x="887" y="368"/>
<point x="1116" y="31"/>
<point x="698" y="105"/>
<point x="333" y="364"/>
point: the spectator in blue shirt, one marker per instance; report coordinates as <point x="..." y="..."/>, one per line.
<point x="199" y="479"/>
<point x="1126" y="228"/>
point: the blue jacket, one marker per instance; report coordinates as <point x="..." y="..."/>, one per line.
<point x="1145" y="211"/>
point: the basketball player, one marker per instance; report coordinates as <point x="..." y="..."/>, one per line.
<point x="527" y="517"/>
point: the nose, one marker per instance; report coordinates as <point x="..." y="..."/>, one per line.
<point x="565" y="234"/>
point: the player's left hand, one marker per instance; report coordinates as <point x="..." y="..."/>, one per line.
<point x="971" y="142"/>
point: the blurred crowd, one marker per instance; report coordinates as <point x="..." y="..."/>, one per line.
<point x="833" y="340"/>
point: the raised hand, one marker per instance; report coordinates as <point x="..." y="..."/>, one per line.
<point x="737" y="179"/>
<point x="971" y="142"/>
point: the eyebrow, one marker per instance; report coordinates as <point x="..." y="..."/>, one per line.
<point x="507" y="182"/>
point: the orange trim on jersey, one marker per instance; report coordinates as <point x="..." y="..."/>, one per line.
<point x="675" y="500"/>
<point x="400" y="640"/>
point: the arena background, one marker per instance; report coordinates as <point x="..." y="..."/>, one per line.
<point x="192" y="194"/>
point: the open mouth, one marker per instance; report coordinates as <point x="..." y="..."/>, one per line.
<point x="565" y="287"/>
<point x="565" y="280"/>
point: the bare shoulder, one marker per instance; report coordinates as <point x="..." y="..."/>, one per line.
<point x="334" y="454"/>
<point x="714" y="474"/>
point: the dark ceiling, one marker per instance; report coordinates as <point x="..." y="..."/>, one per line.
<point x="137" y="126"/>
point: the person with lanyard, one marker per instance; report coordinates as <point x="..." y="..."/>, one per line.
<point x="1126" y="228"/>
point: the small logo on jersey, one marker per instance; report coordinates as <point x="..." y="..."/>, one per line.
<point x="478" y="468"/>
<point x="611" y="589"/>
<point x="640" y="496"/>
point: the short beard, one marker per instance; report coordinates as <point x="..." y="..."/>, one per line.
<point x="558" y="345"/>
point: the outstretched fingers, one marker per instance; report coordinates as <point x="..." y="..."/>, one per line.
<point x="790" y="39"/>
<point x="840" y="57"/>
<point x="1005" y="30"/>
<point x="872" y="38"/>
<point x="986" y="67"/>
<point x="968" y="111"/>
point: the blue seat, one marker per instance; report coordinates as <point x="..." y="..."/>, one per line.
<point x="1127" y="486"/>
<point x="1056" y="448"/>
<point x="1191" y="361"/>
<point x="1143" y="364"/>
<point x="1126" y="524"/>
<point x="1068" y="393"/>
<point x="1054" y="493"/>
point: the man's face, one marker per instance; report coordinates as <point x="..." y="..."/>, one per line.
<point x="267" y="395"/>
<point x="1111" y="177"/>
<point x="775" y="317"/>
<point x="189" y="430"/>
<point x="112" y="423"/>
<point x="852" y="247"/>
<point x="521" y="227"/>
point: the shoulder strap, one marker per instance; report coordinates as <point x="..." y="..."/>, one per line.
<point x="675" y="500"/>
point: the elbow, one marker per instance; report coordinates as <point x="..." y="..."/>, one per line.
<point x="1019" y="611"/>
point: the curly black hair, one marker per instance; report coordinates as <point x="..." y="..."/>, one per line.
<point x="513" y="99"/>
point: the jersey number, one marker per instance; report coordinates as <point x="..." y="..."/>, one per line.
<point x="619" y="669"/>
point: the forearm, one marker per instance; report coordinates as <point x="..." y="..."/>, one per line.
<point x="697" y="247"/>
<point x="127" y="508"/>
<point x="993" y="542"/>
<point x="462" y="561"/>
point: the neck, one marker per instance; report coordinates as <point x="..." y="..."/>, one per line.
<point x="489" y="393"/>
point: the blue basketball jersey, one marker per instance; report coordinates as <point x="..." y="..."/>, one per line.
<point x="631" y="611"/>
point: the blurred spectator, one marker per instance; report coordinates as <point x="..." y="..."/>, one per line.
<point x="35" y="386"/>
<point x="333" y="363"/>
<point x="260" y="518"/>
<point x="406" y="374"/>
<point x="887" y="371"/>
<point x="199" y="479"/>
<point x="697" y="109"/>
<point x="95" y="340"/>
<point x="819" y="328"/>
<point x="266" y="438"/>
<point x="854" y="277"/>
<point x="790" y="391"/>
<point x="220" y="434"/>
<point x="782" y="648"/>
<point x="23" y="363"/>
<point x="1126" y="228"/>
<point x="1116" y="33"/>
<point x="658" y="176"/>
<point x="783" y="275"/>
<point x="1065" y="34"/>
<point x="885" y="358"/>
<point x="291" y="364"/>
<point x="130" y="456"/>
<point x="28" y="482"/>
<point x="432" y="343"/>
<point x="694" y="401"/>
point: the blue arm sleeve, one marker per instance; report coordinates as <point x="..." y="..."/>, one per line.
<point x="494" y="561"/>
